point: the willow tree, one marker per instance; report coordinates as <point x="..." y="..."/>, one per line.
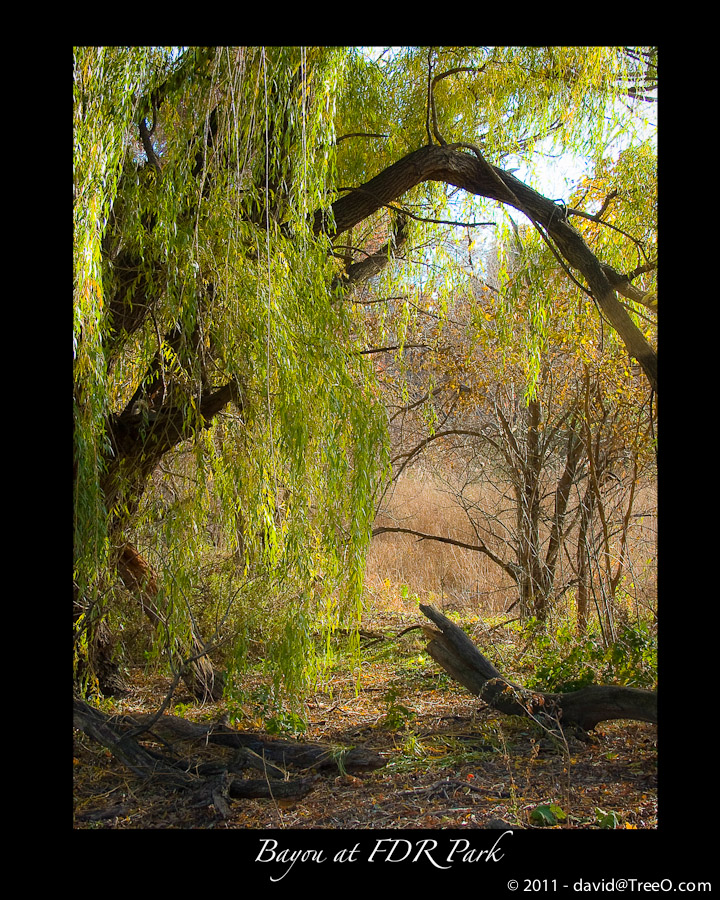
<point x="227" y="202"/>
<point x="203" y="298"/>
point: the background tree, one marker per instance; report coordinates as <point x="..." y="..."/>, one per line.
<point x="536" y="476"/>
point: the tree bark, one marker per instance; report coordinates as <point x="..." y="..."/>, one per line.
<point x="259" y="751"/>
<point x="583" y="709"/>
<point x="124" y="747"/>
<point x="533" y="599"/>
<point x="98" y="662"/>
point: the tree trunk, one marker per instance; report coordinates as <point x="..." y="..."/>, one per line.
<point x="533" y="599"/>
<point x="583" y="709"/>
<point x="203" y="682"/>
<point x="562" y="495"/>
<point x="583" y="565"/>
<point x="97" y="662"/>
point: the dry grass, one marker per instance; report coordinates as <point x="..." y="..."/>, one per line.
<point x="449" y="576"/>
<point x="401" y="568"/>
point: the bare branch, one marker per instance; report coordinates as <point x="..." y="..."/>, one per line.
<point x="508" y="568"/>
<point x="363" y="134"/>
<point x="433" y="107"/>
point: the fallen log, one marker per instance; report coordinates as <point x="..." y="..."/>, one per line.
<point x="177" y="774"/>
<point x="124" y="747"/>
<point x="260" y="751"/>
<point x="122" y="735"/>
<point x="451" y="648"/>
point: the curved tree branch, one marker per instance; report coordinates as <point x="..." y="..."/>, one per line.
<point x="474" y="174"/>
<point x="509" y="568"/>
<point x="362" y="134"/>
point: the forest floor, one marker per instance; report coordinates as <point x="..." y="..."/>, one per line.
<point x="450" y="761"/>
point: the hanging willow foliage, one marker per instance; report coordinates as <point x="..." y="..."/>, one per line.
<point x="203" y="320"/>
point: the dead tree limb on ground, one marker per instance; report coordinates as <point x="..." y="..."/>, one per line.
<point x="583" y="709"/>
<point x="259" y="751"/>
<point x="126" y="735"/>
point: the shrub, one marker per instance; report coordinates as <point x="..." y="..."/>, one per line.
<point x="567" y="663"/>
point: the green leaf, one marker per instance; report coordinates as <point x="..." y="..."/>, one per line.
<point x="607" y="819"/>
<point x="547" y="814"/>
